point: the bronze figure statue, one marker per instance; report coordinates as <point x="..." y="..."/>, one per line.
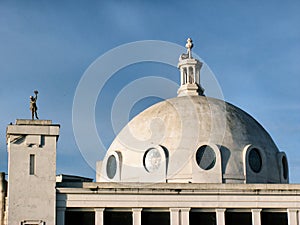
<point x="33" y="106"/>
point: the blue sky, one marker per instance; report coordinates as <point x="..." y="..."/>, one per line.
<point x="253" y="48"/>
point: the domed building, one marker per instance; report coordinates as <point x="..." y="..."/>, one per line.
<point x="188" y="160"/>
<point x="193" y="139"/>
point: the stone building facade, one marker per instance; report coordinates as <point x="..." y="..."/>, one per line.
<point x="184" y="161"/>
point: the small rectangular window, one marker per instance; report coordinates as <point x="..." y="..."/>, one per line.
<point x="32" y="164"/>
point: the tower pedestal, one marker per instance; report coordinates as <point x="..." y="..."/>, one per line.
<point x="31" y="148"/>
<point x="190" y="90"/>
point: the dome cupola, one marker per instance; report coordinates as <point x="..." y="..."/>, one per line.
<point x="189" y="73"/>
<point x="193" y="138"/>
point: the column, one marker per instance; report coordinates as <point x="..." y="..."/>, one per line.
<point x="99" y="216"/>
<point x="60" y="215"/>
<point x="190" y="75"/>
<point x="256" y="219"/>
<point x="182" y="76"/>
<point x="137" y="216"/>
<point x="185" y="216"/>
<point x="174" y="216"/>
<point x="197" y="76"/>
<point x="292" y="216"/>
<point x="220" y="215"/>
<point x="194" y="71"/>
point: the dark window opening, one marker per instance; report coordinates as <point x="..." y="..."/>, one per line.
<point x="255" y="160"/>
<point x="155" y="218"/>
<point x="115" y="218"/>
<point x="79" y="218"/>
<point x="206" y="157"/>
<point x="42" y="140"/>
<point x="274" y="218"/>
<point x="31" y="164"/>
<point x="203" y="218"/>
<point x="234" y="218"/>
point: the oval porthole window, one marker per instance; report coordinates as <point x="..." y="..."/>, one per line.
<point x="285" y="167"/>
<point x="255" y="161"/>
<point x="205" y="157"/>
<point x="111" y="166"/>
<point x="152" y="160"/>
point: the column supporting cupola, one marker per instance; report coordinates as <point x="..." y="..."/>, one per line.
<point x="189" y="73"/>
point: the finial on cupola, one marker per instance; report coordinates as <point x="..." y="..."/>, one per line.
<point x="189" y="45"/>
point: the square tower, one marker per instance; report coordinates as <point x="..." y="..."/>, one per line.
<point x="31" y="146"/>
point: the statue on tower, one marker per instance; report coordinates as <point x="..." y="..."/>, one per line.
<point x="33" y="106"/>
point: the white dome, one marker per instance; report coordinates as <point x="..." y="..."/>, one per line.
<point x="194" y="139"/>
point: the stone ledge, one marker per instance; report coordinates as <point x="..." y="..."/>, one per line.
<point x="32" y="130"/>
<point x="33" y="122"/>
<point x="190" y="187"/>
<point x="32" y="127"/>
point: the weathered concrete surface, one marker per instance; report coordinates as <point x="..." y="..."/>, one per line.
<point x="180" y="126"/>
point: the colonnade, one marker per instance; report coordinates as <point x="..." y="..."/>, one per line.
<point x="180" y="216"/>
